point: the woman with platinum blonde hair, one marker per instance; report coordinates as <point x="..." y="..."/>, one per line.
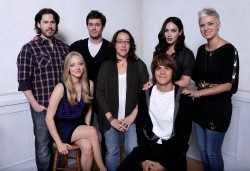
<point x="216" y="76"/>
<point x="69" y="113"/>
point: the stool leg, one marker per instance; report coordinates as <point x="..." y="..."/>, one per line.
<point x="55" y="160"/>
<point x="78" y="163"/>
<point x="66" y="161"/>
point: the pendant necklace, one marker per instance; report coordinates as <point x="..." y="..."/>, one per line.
<point x="211" y="52"/>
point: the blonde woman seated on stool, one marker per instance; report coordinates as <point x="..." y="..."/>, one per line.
<point x="69" y="113"/>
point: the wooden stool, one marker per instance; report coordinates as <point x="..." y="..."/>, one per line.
<point x="66" y="157"/>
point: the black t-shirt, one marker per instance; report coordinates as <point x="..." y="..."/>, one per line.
<point x="185" y="62"/>
<point x="214" y="112"/>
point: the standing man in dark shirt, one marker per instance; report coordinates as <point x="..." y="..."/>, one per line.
<point x="40" y="64"/>
<point x="93" y="49"/>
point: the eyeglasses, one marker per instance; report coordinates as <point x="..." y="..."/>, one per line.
<point x="120" y="42"/>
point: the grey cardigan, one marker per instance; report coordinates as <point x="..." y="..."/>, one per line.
<point x="107" y="89"/>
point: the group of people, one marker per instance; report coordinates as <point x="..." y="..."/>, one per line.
<point x="67" y="85"/>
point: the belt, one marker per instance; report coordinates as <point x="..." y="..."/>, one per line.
<point x="203" y="85"/>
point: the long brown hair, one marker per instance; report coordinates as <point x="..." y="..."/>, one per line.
<point x="163" y="45"/>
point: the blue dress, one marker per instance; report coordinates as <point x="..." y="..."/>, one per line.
<point x="69" y="117"/>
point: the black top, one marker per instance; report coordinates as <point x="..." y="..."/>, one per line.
<point x="185" y="62"/>
<point x="93" y="63"/>
<point x="217" y="67"/>
<point x="107" y="90"/>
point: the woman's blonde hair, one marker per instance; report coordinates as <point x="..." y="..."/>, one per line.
<point x="209" y="12"/>
<point x="67" y="79"/>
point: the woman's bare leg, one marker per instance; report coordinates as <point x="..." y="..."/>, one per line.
<point x="87" y="153"/>
<point x="89" y="133"/>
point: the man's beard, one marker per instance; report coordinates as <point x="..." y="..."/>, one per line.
<point x="48" y="35"/>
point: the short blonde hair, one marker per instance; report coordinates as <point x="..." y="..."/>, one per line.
<point x="209" y="12"/>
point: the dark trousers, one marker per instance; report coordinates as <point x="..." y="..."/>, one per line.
<point x="157" y="153"/>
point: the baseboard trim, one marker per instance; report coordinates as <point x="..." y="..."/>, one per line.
<point x="27" y="165"/>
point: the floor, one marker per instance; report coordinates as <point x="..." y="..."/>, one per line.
<point x="192" y="165"/>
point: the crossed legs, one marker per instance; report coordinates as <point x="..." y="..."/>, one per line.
<point x="87" y="139"/>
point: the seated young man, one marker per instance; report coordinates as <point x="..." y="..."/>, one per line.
<point x="164" y="123"/>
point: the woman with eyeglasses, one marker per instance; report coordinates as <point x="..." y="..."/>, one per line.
<point x="118" y="84"/>
<point x="216" y="76"/>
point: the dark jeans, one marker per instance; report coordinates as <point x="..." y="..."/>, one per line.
<point x="43" y="141"/>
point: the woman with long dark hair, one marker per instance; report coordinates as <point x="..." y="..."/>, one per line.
<point x="118" y="84"/>
<point x="171" y="41"/>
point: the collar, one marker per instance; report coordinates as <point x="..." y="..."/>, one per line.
<point x="43" y="41"/>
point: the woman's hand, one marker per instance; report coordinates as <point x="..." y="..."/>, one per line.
<point x="192" y="93"/>
<point x="147" y="85"/>
<point x="117" y="125"/>
<point x="63" y="148"/>
<point x="127" y="122"/>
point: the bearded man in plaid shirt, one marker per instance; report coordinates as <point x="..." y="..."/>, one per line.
<point x="40" y="65"/>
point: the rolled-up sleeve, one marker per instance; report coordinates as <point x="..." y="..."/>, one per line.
<point x="24" y="66"/>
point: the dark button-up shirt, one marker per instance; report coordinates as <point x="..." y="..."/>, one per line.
<point x="40" y="67"/>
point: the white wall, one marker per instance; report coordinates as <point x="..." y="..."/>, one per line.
<point x="235" y="148"/>
<point x="235" y="26"/>
<point x="144" y="19"/>
<point x="17" y="27"/>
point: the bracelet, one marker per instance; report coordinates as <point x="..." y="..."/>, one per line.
<point x="111" y="119"/>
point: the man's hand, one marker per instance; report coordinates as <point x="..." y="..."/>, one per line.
<point x="35" y="38"/>
<point x="151" y="165"/>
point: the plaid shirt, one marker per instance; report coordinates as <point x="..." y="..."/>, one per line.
<point x="40" y="67"/>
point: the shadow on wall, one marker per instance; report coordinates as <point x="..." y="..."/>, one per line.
<point x="62" y="37"/>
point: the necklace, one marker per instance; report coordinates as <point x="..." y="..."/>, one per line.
<point x="212" y="51"/>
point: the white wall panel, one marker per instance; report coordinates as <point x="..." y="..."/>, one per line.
<point x="16" y="132"/>
<point x="235" y="148"/>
